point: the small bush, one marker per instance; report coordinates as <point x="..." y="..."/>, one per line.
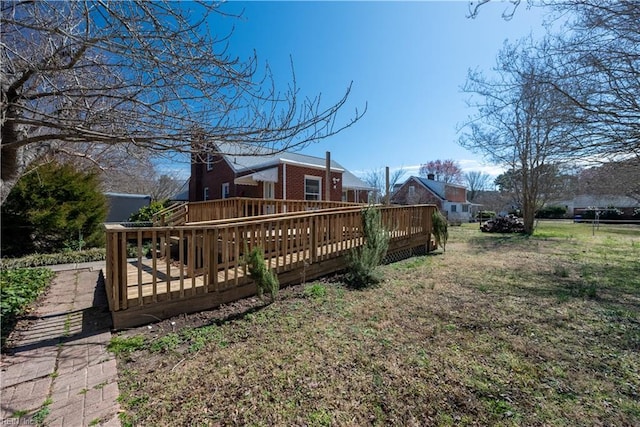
<point x="364" y="260"/>
<point x="551" y="212"/>
<point x="315" y="291"/>
<point x="608" y="213"/>
<point x="485" y="215"/>
<point x="19" y="288"/>
<point x="265" y="279"/>
<point x="440" y="229"/>
<point x="146" y="213"/>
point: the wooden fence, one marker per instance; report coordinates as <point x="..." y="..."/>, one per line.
<point x="158" y="272"/>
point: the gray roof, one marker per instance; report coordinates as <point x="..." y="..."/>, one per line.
<point x="599" y="201"/>
<point x="182" y="195"/>
<point x="436" y="187"/>
<point x="250" y="158"/>
<point x="352" y="182"/>
<point x="127" y="195"/>
<point x="244" y="159"/>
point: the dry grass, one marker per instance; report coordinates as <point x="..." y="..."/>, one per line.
<point x="500" y="330"/>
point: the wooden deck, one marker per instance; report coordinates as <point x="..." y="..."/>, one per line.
<point x="194" y="267"/>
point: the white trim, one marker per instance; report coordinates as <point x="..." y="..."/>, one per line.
<point x="225" y="185"/>
<point x="268" y="185"/>
<point x="205" y="193"/>
<point x="264" y="175"/>
<point x="310" y="165"/>
<point x="315" y="178"/>
<point x="209" y="162"/>
<point x="284" y="182"/>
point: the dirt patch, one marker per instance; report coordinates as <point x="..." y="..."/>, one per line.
<point x="224" y="313"/>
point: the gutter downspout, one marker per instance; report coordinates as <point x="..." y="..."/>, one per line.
<point x="327" y="188"/>
<point x="284" y="185"/>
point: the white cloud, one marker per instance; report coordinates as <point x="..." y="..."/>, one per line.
<point x="469" y="165"/>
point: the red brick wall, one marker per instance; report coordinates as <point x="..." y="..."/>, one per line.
<point x="295" y="182"/>
<point x="222" y="172"/>
<point x="421" y="196"/>
<point x="455" y="194"/>
<point x="219" y="174"/>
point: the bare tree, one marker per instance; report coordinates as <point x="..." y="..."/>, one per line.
<point x="444" y="170"/>
<point x="476" y="182"/>
<point x="597" y="60"/>
<point x="613" y="178"/>
<point x="139" y="74"/>
<point x="507" y="14"/>
<point x="377" y="179"/>
<point x="520" y="122"/>
<point x="142" y="180"/>
<point x="598" y="71"/>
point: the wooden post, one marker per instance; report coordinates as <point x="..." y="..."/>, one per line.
<point x="327" y="182"/>
<point x="387" y="196"/>
<point x="426" y="225"/>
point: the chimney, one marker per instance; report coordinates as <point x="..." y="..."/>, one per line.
<point x="431" y="177"/>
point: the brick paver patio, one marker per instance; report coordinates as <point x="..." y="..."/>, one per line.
<point x="58" y="371"/>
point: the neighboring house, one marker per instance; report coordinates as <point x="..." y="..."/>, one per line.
<point x="122" y="206"/>
<point x="284" y="175"/>
<point x="451" y="199"/>
<point x="582" y="202"/>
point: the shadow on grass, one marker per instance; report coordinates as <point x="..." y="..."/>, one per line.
<point x="498" y="240"/>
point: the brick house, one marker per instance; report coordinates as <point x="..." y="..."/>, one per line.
<point x="451" y="199"/>
<point x="284" y="175"/>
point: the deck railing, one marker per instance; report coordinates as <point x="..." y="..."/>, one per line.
<point x="175" y="214"/>
<point x="147" y="266"/>
<point x="238" y="207"/>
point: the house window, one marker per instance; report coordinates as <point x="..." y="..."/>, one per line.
<point x="205" y="193"/>
<point x="312" y="188"/>
<point x="269" y="190"/>
<point x="209" y="161"/>
<point x="225" y="190"/>
<point x="465" y="208"/>
<point x="345" y="196"/>
<point x="412" y="190"/>
<point x="454" y="208"/>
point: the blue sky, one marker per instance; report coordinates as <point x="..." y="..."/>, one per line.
<point x="407" y="62"/>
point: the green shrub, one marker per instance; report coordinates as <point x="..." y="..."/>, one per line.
<point x="146" y="213"/>
<point x="265" y="279"/>
<point x="440" y="229"/>
<point x="485" y="215"/>
<point x="19" y="288"/>
<point x="315" y="291"/>
<point x="551" y="212"/>
<point x="51" y="208"/>
<point x="39" y="260"/>
<point x="608" y="213"/>
<point x="363" y="261"/>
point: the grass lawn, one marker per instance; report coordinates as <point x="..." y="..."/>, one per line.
<point x="499" y="330"/>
